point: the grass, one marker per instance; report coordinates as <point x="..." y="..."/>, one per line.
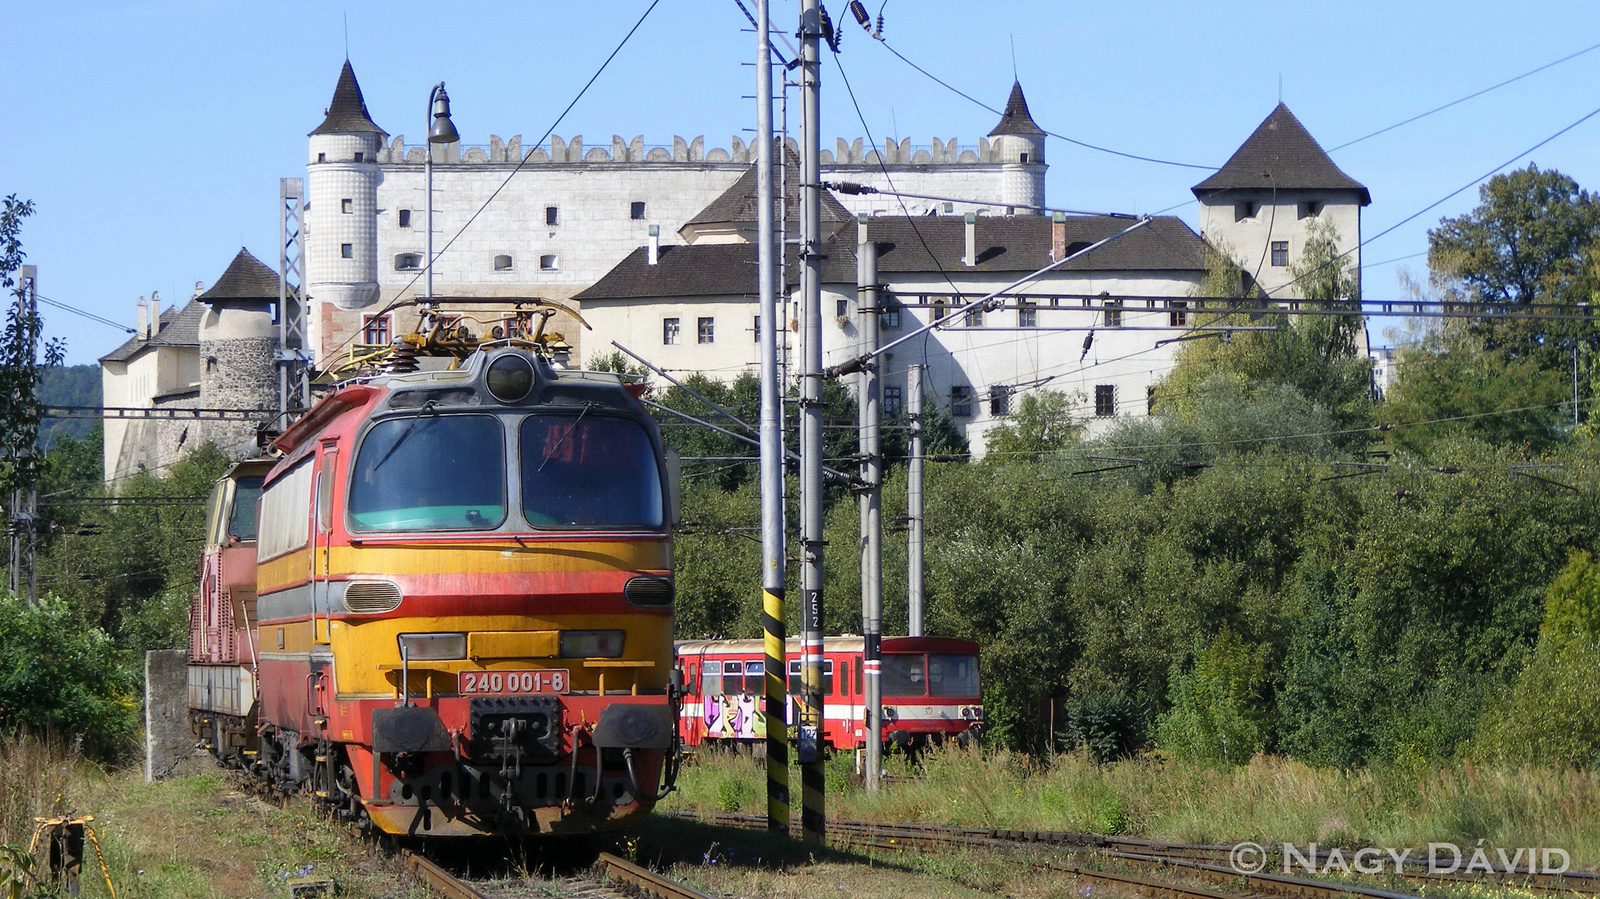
<point x="190" y="836"/>
<point x="1271" y="800"/>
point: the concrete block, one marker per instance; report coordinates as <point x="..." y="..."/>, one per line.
<point x="167" y="740"/>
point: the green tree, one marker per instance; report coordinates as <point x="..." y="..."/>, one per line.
<point x="1533" y="240"/>
<point x="1221" y="708"/>
<point x="23" y="360"/>
<point x="59" y="677"/>
<point x="1041" y="426"/>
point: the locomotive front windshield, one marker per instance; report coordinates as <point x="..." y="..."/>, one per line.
<point x="246" y="494"/>
<point x="438" y="471"/>
<point x="936" y="674"/>
<point x="589" y="471"/>
<point x="430" y="472"/>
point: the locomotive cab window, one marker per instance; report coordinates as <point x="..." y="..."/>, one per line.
<point x="430" y="472"/>
<point x="589" y="471"/>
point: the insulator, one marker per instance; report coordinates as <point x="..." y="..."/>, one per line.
<point x="859" y="10"/>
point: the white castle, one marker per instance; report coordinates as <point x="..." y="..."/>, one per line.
<point x="653" y="244"/>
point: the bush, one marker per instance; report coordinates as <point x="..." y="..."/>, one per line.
<point x="1217" y="712"/>
<point x="59" y="676"/>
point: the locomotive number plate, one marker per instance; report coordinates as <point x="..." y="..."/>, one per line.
<point x="493" y="682"/>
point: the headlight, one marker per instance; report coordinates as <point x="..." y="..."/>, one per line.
<point x="591" y="644"/>
<point x="425" y="647"/>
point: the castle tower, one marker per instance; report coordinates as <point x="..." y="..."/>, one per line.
<point x="238" y="349"/>
<point x="1261" y="205"/>
<point x="342" y="192"/>
<point x="1018" y="145"/>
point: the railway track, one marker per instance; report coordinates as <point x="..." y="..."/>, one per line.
<point x="608" y="869"/>
<point x="1206" y="861"/>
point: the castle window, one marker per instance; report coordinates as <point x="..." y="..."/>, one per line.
<point x="756" y="329"/>
<point x="1150" y="400"/>
<point x="1280" y="252"/>
<point x="375" y="330"/>
<point x="670" y="328"/>
<point x="1112" y="313"/>
<point x="841" y="308"/>
<point x="1178" y="316"/>
<point x="347" y="206"/>
<point x="360" y="156"/>
<point x="636" y="210"/>
<point x="960" y="401"/>
<point x="1027" y="314"/>
<point x="706" y="331"/>
<point x="322" y="157"/>
<point x="892" y="402"/>
<point x="347" y="251"/>
<point x="405" y="218"/>
<point x="1024" y="157"/>
<point x="939" y="309"/>
<point x="1245" y="209"/>
<point x="890" y="319"/>
<point x="975" y="317"/>
<point x="552" y="215"/>
<point x="1105" y="400"/>
<point x="1310" y="209"/>
<point x="502" y="263"/>
<point x="407" y="262"/>
<point x="548" y="262"/>
<point x="999" y="400"/>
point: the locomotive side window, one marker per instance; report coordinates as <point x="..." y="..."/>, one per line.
<point x="286" y="513"/>
<point x="430" y="472"/>
<point x="246" y="494"/>
<point x="952" y="675"/>
<point x="904" y="674"/>
<point x="589" y="471"/>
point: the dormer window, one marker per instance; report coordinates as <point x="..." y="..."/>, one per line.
<point x="1245" y="209"/>
<point x="502" y="263"/>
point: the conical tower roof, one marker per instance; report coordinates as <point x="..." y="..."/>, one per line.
<point x="1282" y="154"/>
<point x="1016" y="120"/>
<point x="347" y="114"/>
<point x="247" y="279"/>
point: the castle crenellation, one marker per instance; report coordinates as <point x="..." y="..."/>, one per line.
<point x="572" y="152"/>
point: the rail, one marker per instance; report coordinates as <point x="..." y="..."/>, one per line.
<point x="644" y="880"/>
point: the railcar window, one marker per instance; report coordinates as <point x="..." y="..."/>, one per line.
<point x="711" y="680"/>
<point x="733" y="677"/>
<point x="589" y="471"/>
<point x="827" y="677"/>
<point x="246" y="493"/>
<point x="904" y="674"/>
<point x="950" y="675"/>
<point x="430" y="472"/>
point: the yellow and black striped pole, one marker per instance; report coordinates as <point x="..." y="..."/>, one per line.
<point x="777" y="712"/>
<point x="772" y="450"/>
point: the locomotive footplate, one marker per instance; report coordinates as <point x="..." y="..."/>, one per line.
<point x="513" y="727"/>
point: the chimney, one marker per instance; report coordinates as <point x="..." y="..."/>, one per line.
<point x="155" y="312"/>
<point x="199" y="288"/>
<point x="142" y="319"/>
<point x="971" y="257"/>
<point x="655" y="244"/>
<point x="1058" y="236"/>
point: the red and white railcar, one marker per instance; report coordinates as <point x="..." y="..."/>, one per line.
<point x="930" y="691"/>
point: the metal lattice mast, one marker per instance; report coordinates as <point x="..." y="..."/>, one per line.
<point x="25" y="498"/>
<point x="294" y="375"/>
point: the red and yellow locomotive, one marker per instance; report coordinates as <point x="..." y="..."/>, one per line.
<point x="464" y="612"/>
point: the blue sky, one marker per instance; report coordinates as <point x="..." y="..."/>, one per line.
<point x="152" y="133"/>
